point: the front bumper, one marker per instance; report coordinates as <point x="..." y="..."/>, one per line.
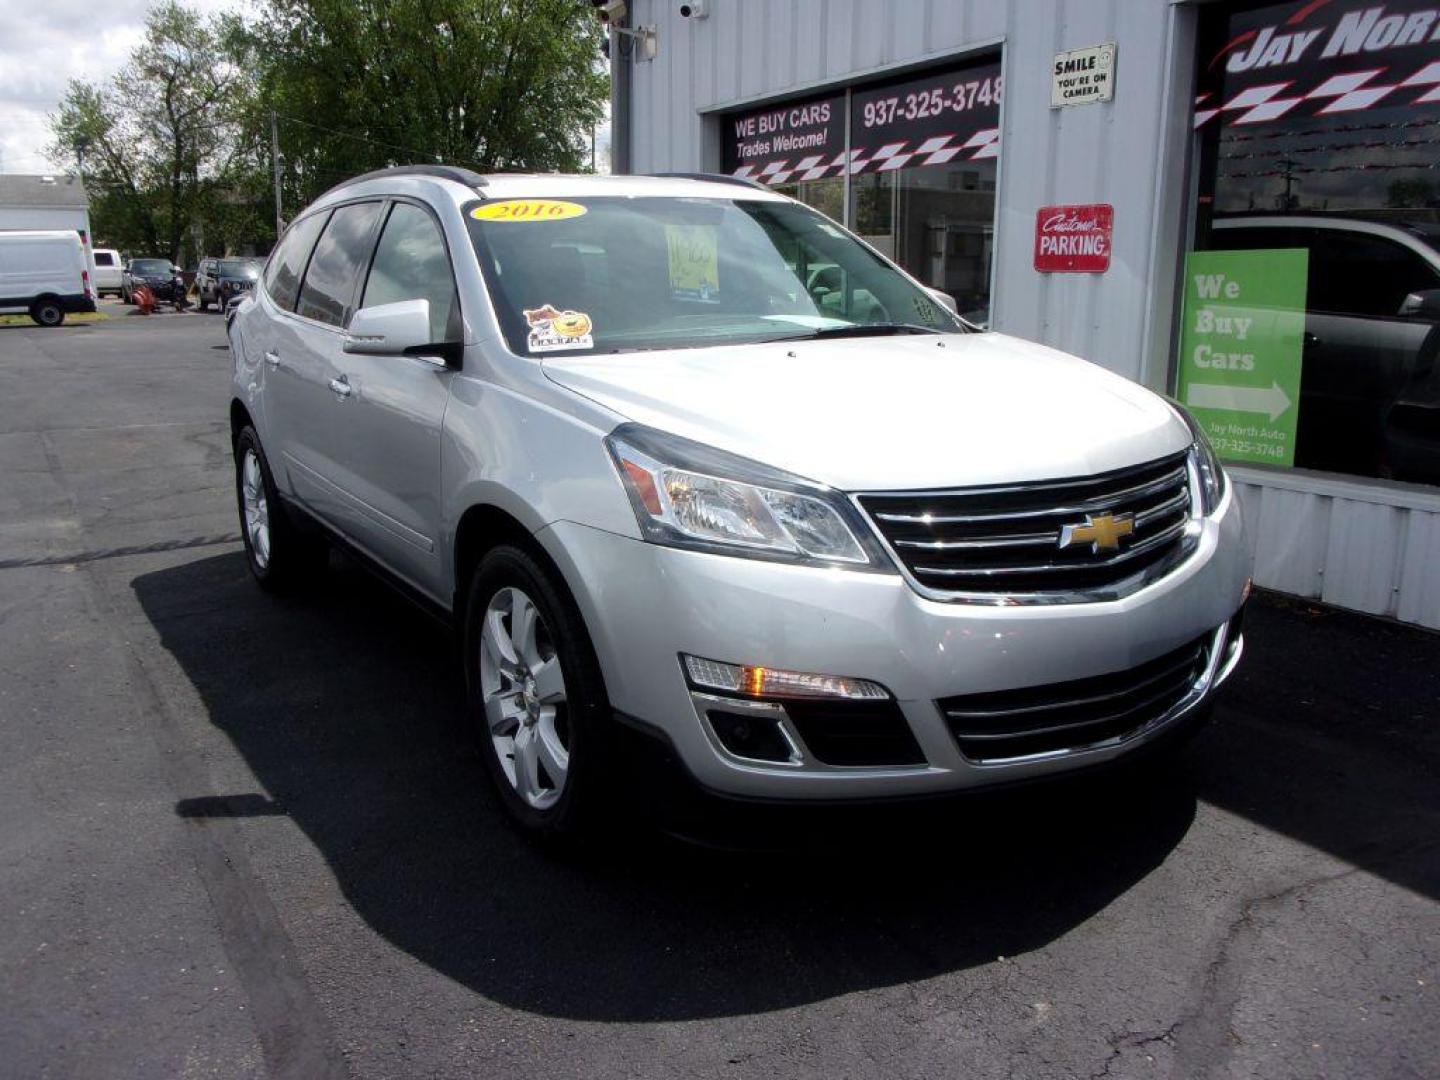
<point x="645" y="604"/>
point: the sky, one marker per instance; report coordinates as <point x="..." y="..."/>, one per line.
<point x="54" y="41"/>
<point x="47" y="44"/>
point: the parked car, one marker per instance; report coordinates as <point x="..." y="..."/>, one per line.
<point x="160" y="276"/>
<point x="217" y="281"/>
<point x="108" y="269"/>
<point x="1368" y="388"/>
<point x="45" y="275"/>
<point x="816" y="556"/>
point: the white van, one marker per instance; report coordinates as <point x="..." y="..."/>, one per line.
<point x="45" y="275"/>
<point x="107" y="271"/>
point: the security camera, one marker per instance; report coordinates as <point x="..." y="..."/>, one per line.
<point x="695" y="9"/>
<point x="609" y="11"/>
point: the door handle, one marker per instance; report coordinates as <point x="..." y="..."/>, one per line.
<point x="273" y="359"/>
<point x="340" y="386"/>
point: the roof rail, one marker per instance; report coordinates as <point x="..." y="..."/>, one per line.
<point x="468" y="177"/>
<point x="714" y="178"/>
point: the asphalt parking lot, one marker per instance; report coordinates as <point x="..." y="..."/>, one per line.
<point x="239" y="837"/>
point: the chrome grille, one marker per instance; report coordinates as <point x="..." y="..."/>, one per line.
<point x="1012" y="724"/>
<point x="1005" y="541"/>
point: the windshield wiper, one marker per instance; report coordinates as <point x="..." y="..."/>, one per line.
<point x="868" y="330"/>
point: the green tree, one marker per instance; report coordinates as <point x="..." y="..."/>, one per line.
<point x="162" y="138"/>
<point x="362" y="84"/>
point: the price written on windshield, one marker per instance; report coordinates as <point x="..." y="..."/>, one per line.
<point x="959" y="98"/>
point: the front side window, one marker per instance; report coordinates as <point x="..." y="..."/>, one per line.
<point x="616" y="274"/>
<point x="334" y="269"/>
<point x="411" y="263"/>
<point x="282" y="276"/>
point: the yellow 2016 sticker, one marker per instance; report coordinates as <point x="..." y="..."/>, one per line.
<point x="527" y="210"/>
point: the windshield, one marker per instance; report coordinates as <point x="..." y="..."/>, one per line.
<point x="612" y="274"/>
<point x="150" y="266"/>
<point x="241" y="268"/>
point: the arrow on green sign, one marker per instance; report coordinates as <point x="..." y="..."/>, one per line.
<point x="1270" y="400"/>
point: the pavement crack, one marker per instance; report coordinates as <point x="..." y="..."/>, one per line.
<point x="99" y="554"/>
<point x="1120" y="1042"/>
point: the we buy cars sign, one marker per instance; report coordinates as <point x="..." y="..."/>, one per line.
<point x="1074" y="239"/>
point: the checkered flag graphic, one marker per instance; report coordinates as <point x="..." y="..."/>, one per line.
<point x="1352" y="91"/>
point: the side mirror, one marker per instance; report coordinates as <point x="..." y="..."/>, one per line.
<point x="1422" y="304"/>
<point x="944" y="299"/>
<point x="399" y="329"/>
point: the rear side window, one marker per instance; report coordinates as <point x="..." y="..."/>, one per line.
<point x="282" y="276"/>
<point x="334" y="271"/>
<point x="104" y="258"/>
<point x="411" y="263"/>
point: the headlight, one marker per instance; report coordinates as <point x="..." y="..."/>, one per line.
<point x="1207" y="465"/>
<point x="689" y="495"/>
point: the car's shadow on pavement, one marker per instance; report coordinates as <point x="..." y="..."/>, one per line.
<point x="341" y="702"/>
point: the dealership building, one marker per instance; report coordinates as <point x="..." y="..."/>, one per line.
<point x="1235" y="203"/>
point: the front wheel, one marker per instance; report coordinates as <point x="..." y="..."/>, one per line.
<point x="536" y="696"/>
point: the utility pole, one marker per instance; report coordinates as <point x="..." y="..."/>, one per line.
<point x="275" y="164"/>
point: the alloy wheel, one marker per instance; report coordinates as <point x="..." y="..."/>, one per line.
<point x="256" y="506"/>
<point x="523" y="690"/>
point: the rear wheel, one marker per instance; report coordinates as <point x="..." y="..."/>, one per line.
<point x="47" y="312"/>
<point x="536" y="696"/>
<point x="279" y="554"/>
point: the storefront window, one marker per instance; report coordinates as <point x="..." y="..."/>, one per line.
<point x="919" y="164"/>
<point x="1311" y="323"/>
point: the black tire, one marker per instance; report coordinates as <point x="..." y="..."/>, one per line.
<point x="291" y="557"/>
<point x="585" y="802"/>
<point x="125" y="297"/>
<point x="47" y="312"/>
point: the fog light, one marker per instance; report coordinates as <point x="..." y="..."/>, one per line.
<point x="763" y="682"/>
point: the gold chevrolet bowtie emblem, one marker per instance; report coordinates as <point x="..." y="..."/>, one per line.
<point x="1101" y="531"/>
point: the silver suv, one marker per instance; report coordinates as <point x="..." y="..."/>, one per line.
<point x="815" y="532"/>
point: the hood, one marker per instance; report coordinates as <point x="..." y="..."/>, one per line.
<point x="897" y="413"/>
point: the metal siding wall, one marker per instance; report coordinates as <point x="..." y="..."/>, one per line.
<point x="1358" y="552"/>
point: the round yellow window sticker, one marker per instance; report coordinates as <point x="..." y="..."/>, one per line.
<point x="527" y="210"/>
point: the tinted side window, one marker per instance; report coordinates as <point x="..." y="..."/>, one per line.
<point x="339" y="258"/>
<point x="104" y="258"/>
<point x="282" y="276"/>
<point x="411" y="264"/>
<point x="1355" y="274"/>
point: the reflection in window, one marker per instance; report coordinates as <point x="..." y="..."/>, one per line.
<point x="411" y="263"/>
<point x="334" y="269"/>
<point x="1354" y="185"/>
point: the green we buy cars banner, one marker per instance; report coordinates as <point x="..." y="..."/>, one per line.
<point x="1240" y="349"/>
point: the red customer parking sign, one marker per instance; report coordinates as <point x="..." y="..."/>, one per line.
<point x="1074" y="239"/>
